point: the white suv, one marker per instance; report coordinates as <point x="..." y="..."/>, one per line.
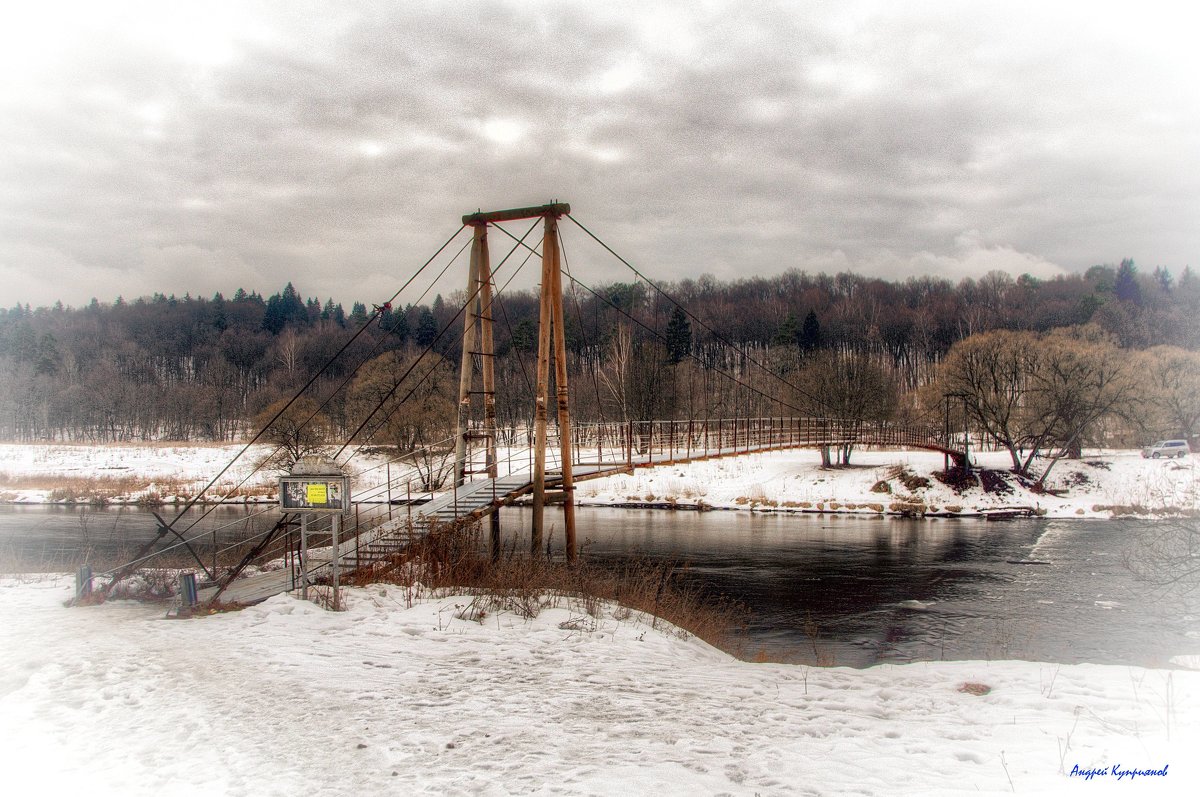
<point x="1167" y="448"/>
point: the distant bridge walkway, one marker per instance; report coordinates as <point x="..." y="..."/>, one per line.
<point x="600" y="450"/>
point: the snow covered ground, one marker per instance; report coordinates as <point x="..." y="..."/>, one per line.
<point x="121" y="473"/>
<point x="1102" y="484"/>
<point x="396" y="696"/>
<point x="150" y="473"/>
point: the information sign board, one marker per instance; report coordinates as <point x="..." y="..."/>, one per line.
<point x="316" y="493"/>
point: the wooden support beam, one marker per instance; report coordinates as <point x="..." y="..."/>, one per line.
<point x="480" y="218"/>
<point x="551" y="343"/>
<point x="487" y="352"/>
<point x="541" y="394"/>
<point x="466" y="367"/>
<point x="550" y="245"/>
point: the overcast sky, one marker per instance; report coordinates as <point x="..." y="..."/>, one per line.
<point x="195" y="147"/>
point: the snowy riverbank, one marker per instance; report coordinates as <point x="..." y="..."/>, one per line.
<point x="1102" y="484"/>
<point x="400" y="697"/>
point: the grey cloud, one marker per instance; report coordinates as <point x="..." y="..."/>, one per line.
<point x="346" y="145"/>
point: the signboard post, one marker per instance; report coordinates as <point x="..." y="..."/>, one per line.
<point x="304" y="555"/>
<point x="317" y="488"/>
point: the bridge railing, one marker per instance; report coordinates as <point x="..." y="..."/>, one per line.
<point x="628" y="444"/>
<point x="646" y="442"/>
<point x="604" y="446"/>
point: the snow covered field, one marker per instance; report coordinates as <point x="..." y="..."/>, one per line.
<point x="420" y="697"/>
<point x="1102" y="484"/>
<point x="407" y="696"/>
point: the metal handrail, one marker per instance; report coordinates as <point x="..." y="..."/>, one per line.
<point x="626" y="445"/>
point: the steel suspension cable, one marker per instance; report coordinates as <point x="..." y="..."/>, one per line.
<point x="169" y="527"/>
<point x="428" y="373"/>
<point x="311" y="381"/>
<point x="378" y="344"/>
<point x="427" y="350"/>
<point x="579" y="315"/>
<point x="659" y="335"/>
<point x="718" y="336"/>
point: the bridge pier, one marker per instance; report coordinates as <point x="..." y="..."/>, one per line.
<point x="552" y="337"/>
<point x="552" y="342"/>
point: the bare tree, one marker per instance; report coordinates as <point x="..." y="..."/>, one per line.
<point x="1032" y="393"/>
<point x="613" y="374"/>
<point x="849" y="387"/>
<point x="287" y="351"/>
<point x="1077" y="379"/>
<point x="989" y="372"/>
<point x="301" y="431"/>
<point x="1172" y="380"/>
<point x="408" y="412"/>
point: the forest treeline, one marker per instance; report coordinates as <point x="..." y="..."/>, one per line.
<point x="200" y="368"/>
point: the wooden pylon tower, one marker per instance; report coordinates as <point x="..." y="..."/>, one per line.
<point x="477" y="344"/>
<point x="477" y="332"/>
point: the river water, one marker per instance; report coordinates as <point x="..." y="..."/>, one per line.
<point x="833" y="589"/>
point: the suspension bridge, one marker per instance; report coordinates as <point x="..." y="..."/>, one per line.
<point x="494" y="467"/>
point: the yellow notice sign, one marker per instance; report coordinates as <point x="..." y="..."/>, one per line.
<point x="317" y="493"/>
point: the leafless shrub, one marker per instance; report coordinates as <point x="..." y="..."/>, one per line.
<point x="155" y="585"/>
<point x="824" y="657"/>
<point x="905" y="475"/>
<point x="1166" y="553"/>
<point x="523" y="585"/>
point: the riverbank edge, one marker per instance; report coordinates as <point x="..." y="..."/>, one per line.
<point x="1106" y="485"/>
<point x="913" y="511"/>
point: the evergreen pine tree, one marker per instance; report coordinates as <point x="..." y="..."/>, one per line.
<point x="679" y="336"/>
<point x="394" y="323"/>
<point x="810" y="332"/>
<point x="274" y="320"/>
<point x="426" y="328"/>
<point x="788" y="333"/>
<point x="1126" y="285"/>
<point x="1187" y="279"/>
<point x="292" y="307"/>
<point x="1164" y="279"/>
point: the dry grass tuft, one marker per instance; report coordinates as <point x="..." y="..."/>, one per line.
<point x="524" y="585"/>
<point x="911" y="481"/>
<point x="94" y="489"/>
<point x="103" y="489"/>
<point x="973" y="688"/>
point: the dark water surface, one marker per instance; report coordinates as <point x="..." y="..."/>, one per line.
<point x="846" y="590"/>
<point x="54" y="536"/>
<point x="859" y="591"/>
